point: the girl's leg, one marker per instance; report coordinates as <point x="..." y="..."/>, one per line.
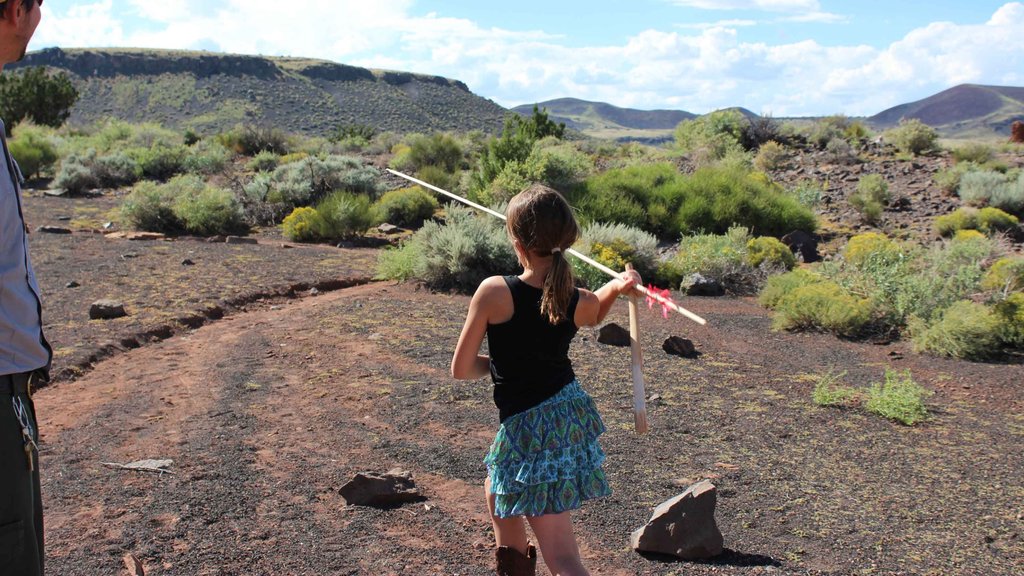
<point x="509" y="532"/>
<point x="558" y="544"/>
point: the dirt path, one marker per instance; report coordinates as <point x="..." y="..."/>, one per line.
<point x="266" y="414"/>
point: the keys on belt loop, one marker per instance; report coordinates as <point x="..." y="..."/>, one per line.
<point x="27" y="432"/>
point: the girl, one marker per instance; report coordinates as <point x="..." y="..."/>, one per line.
<point x="545" y="459"/>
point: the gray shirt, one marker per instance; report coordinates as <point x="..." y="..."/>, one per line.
<point x="22" y="346"/>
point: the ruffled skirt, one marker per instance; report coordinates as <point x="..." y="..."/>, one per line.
<point x="547" y="459"/>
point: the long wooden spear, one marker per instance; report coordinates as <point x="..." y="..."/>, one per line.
<point x="664" y="301"/>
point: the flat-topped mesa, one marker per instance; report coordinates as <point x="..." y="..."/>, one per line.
<point x="108" y="63"/>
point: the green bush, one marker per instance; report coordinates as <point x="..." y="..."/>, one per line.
<point x="439" y="149"/>
<point x="975" y="152"/>
<point x="514" y="145"/>
<point x="206" y="157"/>
<point x="948" y="179"/>
<point x="264" y="161"/>
<point x="304" y="224"/>
<point x="458" y="254"/>
<point x="712" y="136"/>
<point x="160" y="162"/>
<point x="1010" y="313"/>
<point x="406" y="207"/>
<point x="1006" y="275"/>
<point x="614" y="245"/>
<point x="964" y="330"/>
<point x="209" y="211"/>
<point x="872" y="248"/>
<point x="721" y="257"/>
<point x="1011" y="196"/>
<point x="828" y="391"/>
<point x="345" y="214"/>
<point x="33" y="149"/>
<point x="825" y="306"/>
<point x="35" y="94"/>
<point x="149" y="207"/>
<point x="914" y="137"/>
<point x="74" y="176"/>
<point x="826" y="130"/>
<point x="771" y="156"/>
<point x="987" y="221"/>
<point x="770" y="252"/>
<point x="781" y="285"/>
<point x="116" y="169"/>
<point x="808" y="193"/>
<point x="898" y="398"/>
<point x="438" y="177"/>
<point x="871" y="197"/>
<point x="978" y="187"/>
<point x="250" y="139"/>
<point x="310" y="179"/>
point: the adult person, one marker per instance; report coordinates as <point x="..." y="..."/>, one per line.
<point x="24" y="353"/>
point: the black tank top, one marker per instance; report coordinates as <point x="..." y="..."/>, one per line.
<point x="529" y="356"/>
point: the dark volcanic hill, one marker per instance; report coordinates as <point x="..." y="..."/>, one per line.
<point x="964" y="110"/>
<point x="212" y="92"/>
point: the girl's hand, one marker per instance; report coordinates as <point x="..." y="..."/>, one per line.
<point x="627" y="282"/>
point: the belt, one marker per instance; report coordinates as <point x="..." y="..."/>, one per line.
<point x="21" y="383"/>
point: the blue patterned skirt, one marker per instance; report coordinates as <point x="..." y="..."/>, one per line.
<point x="547" y="459"/>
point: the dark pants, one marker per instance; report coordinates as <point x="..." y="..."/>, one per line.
<point x="21" y="509"/>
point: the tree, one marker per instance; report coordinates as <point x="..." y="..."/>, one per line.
<point x="515" y="144"/>
<point x="43" y="98"/>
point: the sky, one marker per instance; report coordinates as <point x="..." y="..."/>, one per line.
<point x="785" y="58"/>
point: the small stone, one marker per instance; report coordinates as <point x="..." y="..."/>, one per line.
<point x="680" y="347"/>
<point x="392" y="488"/>
<point x="314" y="291"/>
<point x="613" y="335"/>
<point x="106" y="310"/>
<point x="240" y="240"/>
<point x="72" y="284"/>
<point x="187" y="262"/>
<point x="129" y="255"/>
<point x="700" y="285"/>
<point x="63" y="218"/>
<point x="215" y="239"/>
<point x="388" y="228"/>
<point x="53" y="230"/>
<point x="108" y="225"/>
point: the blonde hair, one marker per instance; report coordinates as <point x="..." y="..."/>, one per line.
<point x="542" y="222"/>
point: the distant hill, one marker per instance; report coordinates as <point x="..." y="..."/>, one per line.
<point x="967" y="110"/>
<point x="607" y="121"/>
<point x="212" y="92"/>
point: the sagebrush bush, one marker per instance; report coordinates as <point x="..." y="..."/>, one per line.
<point x="345" y="214"/>
<point x="406" y="207"/>
<point x="304" y="224"/>
<point x="458" y="254"/>
<point x="1011" y="196"/>
<point x="206" y="157"/>
<point x="75" y="176"/>
<point x="994" y="189"/>
<point x="823" y="306"/>
<point x="264" y="161"/>
<point x="975" y="152"/>
<point x="941" y="276"/>
<point x="209" y="211"/>
<point x="438" y="177"/>
<point x="1010" y="313"/>
<point x="310" y="179"/>
<point x="988" y="220"/>
<point x="779" y="286"/>
<point x="771" y="253"/>
<point x="1006" y="275"/>
<point x="116" y="169"/>
<point x="771" y="156"/>
<point x="614" y="245"/>
<point x="712" y="136"/>
<point x="807" y="192"/>
<point x="914" y="137"/>
<point x="721" y="257"/>
<point x="898" y="398"/>
<point x="160" y="162"/>
<point x="149" y="207"/>
<point x="250" y="140"/>
<point x="33" y="149"/>
<point x="871" y="197"/>
<point x="965" y="330"/>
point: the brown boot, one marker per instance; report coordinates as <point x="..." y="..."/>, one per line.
<point x="512" y="562"/>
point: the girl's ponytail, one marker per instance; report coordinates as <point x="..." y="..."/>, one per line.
<point x="558" y="288"/>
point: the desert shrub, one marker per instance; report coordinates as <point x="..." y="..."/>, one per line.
<point x="310" y="179"/>
<point x="264" y="161"/>
<point x="987" y="221"/>
<point x="160" y="162"/>
<point x="438" y="177"/>
<point x="942" y="276"/>
<point x="840" y="151"/>
<point x="967" y="235"/>
<point x="1011" y="196"/>
<point x="458" y="254"/>
<point x="898" y="398"/>
<point x="779" y="286"/>
<point x="828" y="129"/>
<point x="963" y="330"/>
<point x="209" y="211"/>
<point x="948" y="179"/>
<point x="823" y="306"/>
<point x="1006" y="275"/>
<point x="345" y="214"/>
<point x="770" y="252"/>
<point x="759" y="131"/>
<point x="872" y="247"/>
<point x="33" y="149"/>
<point x="405" y="206"/>
<point x="149" y="207"/>
<point x="975" y="152"/>
<point x="828" y="390"/>
<point x="150" y="135"/>
<point x="807" y="192"/>
<point x="206" y="157"/>
<point x="292" y="157"/>
<point x="250" y="140"/>
<point x="914" y="137"/>
<point x="36" y="94"/>
<point x="771" y="156"/>
<point x="871" y="197"/>
<point x="439" y="149"/>
<point x="712" y="136"/>
<point x="721" y="257"/>
<point x="75" y="176"/>
<point x="116" y="169"/>
<point x="190" y="137"/>
<point x="614" y="245"/>
<point x="1010" y="314"/>
<point x="304" y="224"/>
<point x="978" y="187"/>
<point x="558" y="165"/>
<point x="515" y="144"/>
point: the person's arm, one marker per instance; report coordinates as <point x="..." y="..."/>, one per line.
<point x="594" y="306"/>
<point x="467" y="362"/>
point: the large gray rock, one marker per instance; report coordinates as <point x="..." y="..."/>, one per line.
<point x="700" y="285"/>
<point x="392" y="488"/>
<point x="683" y="526"/>
<point x="106" y="310"/>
